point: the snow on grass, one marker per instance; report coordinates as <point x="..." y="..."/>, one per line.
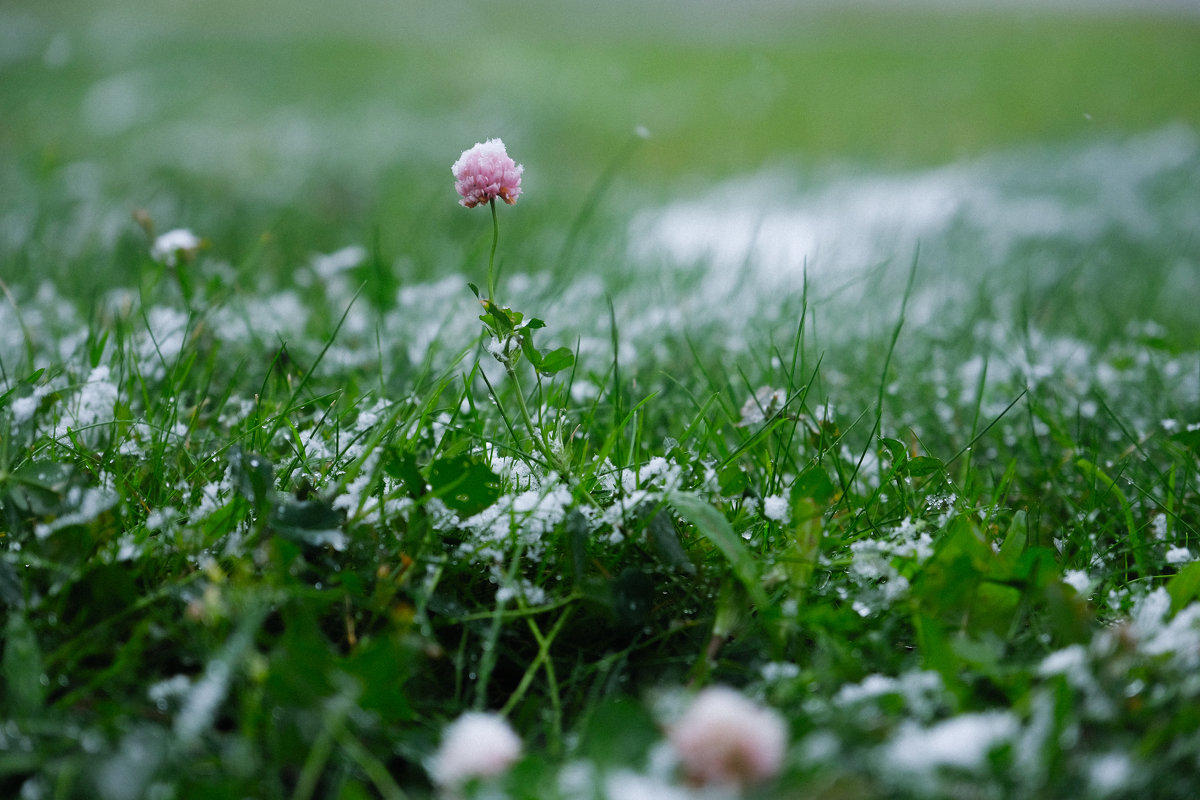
<point x="233" y="442"/>
<point x="962" y="743"/>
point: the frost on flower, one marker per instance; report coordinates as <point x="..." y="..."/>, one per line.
<point x="485" y="172"/>
<point x="725" y="739"/>
<point x="169" y="247"/>
<point x="476" y="745"/>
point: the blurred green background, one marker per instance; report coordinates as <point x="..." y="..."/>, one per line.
<point x="322" y="124"/>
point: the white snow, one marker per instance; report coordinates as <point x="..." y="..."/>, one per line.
<point x="776" y="508"/>
<point x="963" y="742"/>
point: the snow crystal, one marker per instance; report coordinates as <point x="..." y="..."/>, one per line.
<point x="161" y="519"/>
<point x="1149" y="611"/>
<point x="762" y="405"/>
<point x="533" y="594"/>
<point x="629" y="785"/>
<point x="1158" y="527"/>
<point x="1110" y="773"/>
<point x="204" y="697"/>
<point x="96" y="399"/>
<point x="370" y="417"/>
<point x="775" y="507"/>
<point x="776" y="671"/>
<point x="23" y="409"/>
<point x="128" y="548"/>
<point x="921" y="690"/>
<point x="1179" y="636"/>
<point x="1079" y="580"/>
<point x="1179" y="555"/>
<point x="1070" y="661"/>
<point x="235" y="410"/>
<point x="212" y="496"/>
<point x="168" y="246"/>
<point x="577" y="779"/>
<point x="87" y="504"/>
<point x="328" y="266"/>
<point x="962" y="742"/>
<point x="658" y="471"/>
<point x="530" y="514"/>
<point x="168" y="689"/>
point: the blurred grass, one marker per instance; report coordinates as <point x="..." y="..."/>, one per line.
<point x="325" y="124"/>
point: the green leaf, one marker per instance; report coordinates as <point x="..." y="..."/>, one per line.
<point x="532" y="353"/>
<point x="633" y="596"/>
<point x="619" y="732"/>
<point x="921" y="466"/>
<point x="403" y="467"/>
<point x="556" y="361"/>
<point x="994" y="607"/>
<point x="665" y="540"/>
<point x="934" y="646"/>
<point x="813" y="484"/>
<point x="733" y="480"/>
<point x="896" y="449"/>
<point x="1037" y="566"/>
<point x="40" y="487"/>
<point x="464" y="483"/>
<point x="947" y="584"/>
<point x="1189" y="438"/>
<point x="381" y="667"/>
<point x="1184" y="587"/>
<point x="579" y="533"/>
<point x="804" y="545"/>
<point x="10" y="585"/>
<point x="106" y="590"/>
<point x="310" y="522"/>
<point x="501" y="320"/>
<point x="253" y="476"/>
<point x="22" y="668"/>
<point x="1014" y="542"/>
<point x="712" y="525"/>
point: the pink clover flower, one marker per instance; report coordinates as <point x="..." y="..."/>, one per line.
<point x="725" y="739"/>
<point x="485" y="172"/>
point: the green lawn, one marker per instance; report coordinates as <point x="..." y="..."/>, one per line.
<point x="322" y="121"/>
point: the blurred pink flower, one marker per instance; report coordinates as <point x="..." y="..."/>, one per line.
<point x="485" y="172"/>
<point x="476" y="745"/>
<point x="725" y="739"/>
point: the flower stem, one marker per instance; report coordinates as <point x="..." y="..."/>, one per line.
<point x="492" y="257"/>
<point x="558" y="462"/>
<point x="534" y="432"/>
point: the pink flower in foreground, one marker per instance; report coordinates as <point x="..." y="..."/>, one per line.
<point x="476" y="745"/>
<point x="725" y="739"/>
<point x="485" y="172"/>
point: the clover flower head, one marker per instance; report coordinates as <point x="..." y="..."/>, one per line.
<point x="725" y="739"/>
<point x="476" y="745"/>
<point x="485" y="172"/>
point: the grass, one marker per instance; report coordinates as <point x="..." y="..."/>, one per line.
<point x="272" y="521"/>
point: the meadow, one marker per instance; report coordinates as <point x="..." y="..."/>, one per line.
<point x="834" y="433"/>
